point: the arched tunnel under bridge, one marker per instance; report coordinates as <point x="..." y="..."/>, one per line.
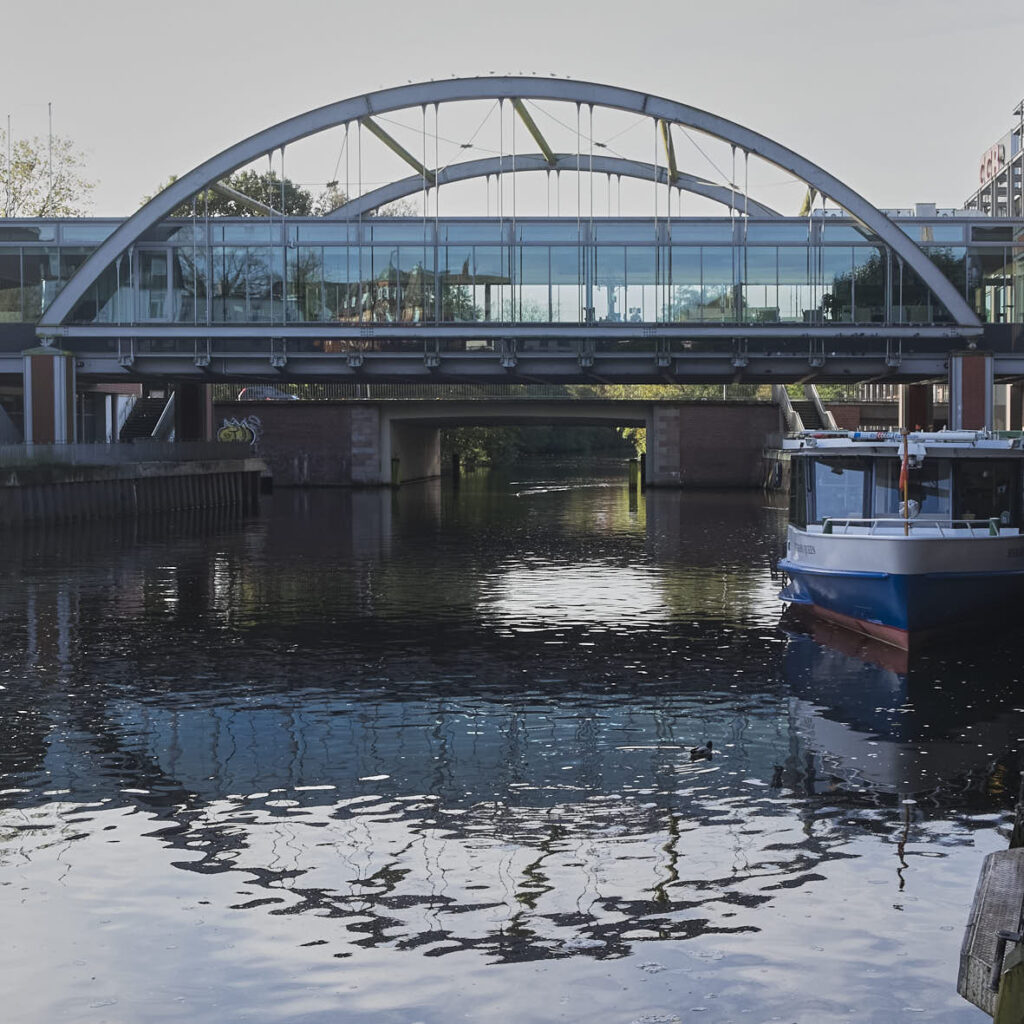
<point x="689" y="444"/>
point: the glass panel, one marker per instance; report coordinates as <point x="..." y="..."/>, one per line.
<point x="492" y="292"/>
<point x="484" y="231"/>
<point x="837" y="274"/>
<point x="255" y="231"/>
<point x="637" y="231"/>
<point x="533" y="298"/>
<point x="928" y="487"/>
<point x="94" y="232"/>
<point x="393" y="229"/>
<point x="641" y="284"/>
<point x="545" y="231"/>
<point x="189" y="285"/>
<point x="228" y="285"/>
<point x="685" y="295"/>
<point x="40" y="282"/>
<point x="717" y="291"/>
<point x="335" y="232"/>
<point x="986" y="489"/>
<point x="416" y="280"/>
<point x="1001" y="234"/>
<point x="610" y="284"/>
<point x="831" y="232"/>
<point x="341" y="284"/>
<point x="760" y="289"/>
<point x="263" y="284"/>
<point x="867" y="294"/>
<point x="796" y="302"/>
<point x="933" y="232"/>
<point x="10" y="286"/>
<point x="777" y="231"/>
<point x="566" y="298"/>
<point x="304" y="293"/>
<point x="839" y="488"/>
<point x="702" y="231"/>
<point x="28" y="233"/>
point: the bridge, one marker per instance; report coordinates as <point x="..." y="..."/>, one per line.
<point x="839" y="292"/>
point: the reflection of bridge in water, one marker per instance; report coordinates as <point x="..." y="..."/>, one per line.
<point x="526" y="822"/>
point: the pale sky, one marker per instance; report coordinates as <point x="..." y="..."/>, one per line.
<point x="896" y="98"/>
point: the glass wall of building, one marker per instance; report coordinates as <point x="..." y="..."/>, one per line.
<point x="559" y="271"/>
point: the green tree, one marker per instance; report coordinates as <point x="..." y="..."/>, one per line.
<point x="40" y="179"/>
<point x="263" y="187"/>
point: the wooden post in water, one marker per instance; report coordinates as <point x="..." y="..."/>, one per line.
<point x="643" y="471"/>
<point x="634" y="475"/>
<point x="396" y="471"/>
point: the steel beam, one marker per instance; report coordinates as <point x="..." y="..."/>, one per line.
<point x="240" y="197"/>
<point x="397" y="148"/>
<point x="488" y="166"/>
<point x="670" y="149"/>
<point x="531" y="127"/>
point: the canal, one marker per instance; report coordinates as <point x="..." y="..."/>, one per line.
<point x="424" y="756"/>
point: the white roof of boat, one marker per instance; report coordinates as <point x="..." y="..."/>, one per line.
<point x="851" y="442"/>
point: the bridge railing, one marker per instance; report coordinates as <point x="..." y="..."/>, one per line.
<point x="345" y="391"/>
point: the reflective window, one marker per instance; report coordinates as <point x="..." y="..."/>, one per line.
<point x="837" y="280"/>
<point x="760" y="288"/>
<point x="840" y="488"/>
<point x="986" y="489"/>
<point x="228" y="285"/>
<point x="10" y="286"/>
<point x="928" y="486"/>
<point x="717" y="291"/>
<point x="685" y="300"/>
<point x="80" y="234"/>
<point x="840" y="232"/>
<point x="702" y="231"/>
<point x="933" y="232"/>
<point x="28" y="233"/>
<point x="777" y="231"/>
<point x="304" y="290"/>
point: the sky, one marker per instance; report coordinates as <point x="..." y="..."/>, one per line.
<point x="898" y="99"/>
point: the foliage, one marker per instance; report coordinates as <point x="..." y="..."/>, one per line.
<point x="30" y="188"/>
<point x="495" y="446"/>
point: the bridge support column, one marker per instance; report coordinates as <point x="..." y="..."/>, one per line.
<point x="970" y="390"/>
<point x="49" y="381"/>
<point x="193" y="412"/>
<point x="916" y="411"/>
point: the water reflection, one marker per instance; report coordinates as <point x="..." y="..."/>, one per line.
<point x="458" y="724"/>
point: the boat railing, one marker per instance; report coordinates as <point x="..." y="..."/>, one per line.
<point x="944" y="527"/>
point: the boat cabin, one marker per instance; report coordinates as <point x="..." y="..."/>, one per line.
<point x="950" y="481"/>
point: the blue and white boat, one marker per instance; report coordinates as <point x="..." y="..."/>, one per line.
<point x="860" y="555"/>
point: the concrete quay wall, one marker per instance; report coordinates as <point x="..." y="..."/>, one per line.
<point x="706" y="444"/>
<point x="61" y="493"/>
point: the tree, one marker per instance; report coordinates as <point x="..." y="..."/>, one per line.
<point x="42" y="179"/>
<point x="264" y="188"/>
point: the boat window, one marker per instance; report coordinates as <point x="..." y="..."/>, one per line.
<point x="985" y="489"/>
<point x="839" y="488"/>
<point x="928" y="485"/>
<point x="798" y="492"/>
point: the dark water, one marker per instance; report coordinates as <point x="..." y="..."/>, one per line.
<point x="425" y="758"/>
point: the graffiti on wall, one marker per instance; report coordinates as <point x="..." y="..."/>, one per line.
<point x="243" y="431"/>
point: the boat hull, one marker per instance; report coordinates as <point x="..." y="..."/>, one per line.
<point x="903" y="590"/>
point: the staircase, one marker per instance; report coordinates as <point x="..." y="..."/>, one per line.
<point x="143" y="419"/>
<point x="808" y="414"/>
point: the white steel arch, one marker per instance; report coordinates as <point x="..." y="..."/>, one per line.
<point x="422" y="94"/>
<point x="494" y="165"/>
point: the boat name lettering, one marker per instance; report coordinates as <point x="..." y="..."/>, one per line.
<point x="804" y="549"/>
<point x="1015" y="553"/>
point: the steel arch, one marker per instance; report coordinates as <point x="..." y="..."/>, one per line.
<point x="501" y="88"/>
<point x="494" y="165"/>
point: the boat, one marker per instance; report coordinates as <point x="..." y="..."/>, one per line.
<point x="904" y="535"/>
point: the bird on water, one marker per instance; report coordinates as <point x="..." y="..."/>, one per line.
<point x="704" y="753"/>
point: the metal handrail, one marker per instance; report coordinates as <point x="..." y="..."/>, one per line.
<point x="990" y="527"/>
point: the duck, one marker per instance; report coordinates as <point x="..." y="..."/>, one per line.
<point x="704" y="753"/>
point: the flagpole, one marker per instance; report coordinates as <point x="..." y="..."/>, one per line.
<point x="905" y="480"/>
